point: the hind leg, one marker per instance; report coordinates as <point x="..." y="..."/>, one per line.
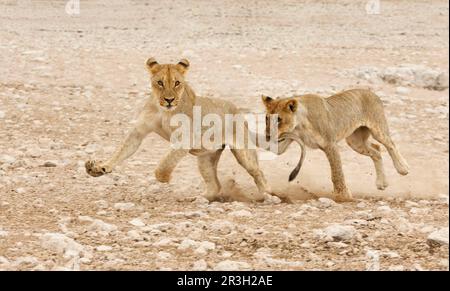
<point x="207" y="165"/>
<point x="248" y="159"/>
<point x="358" y="141"/>
<point x="381" y="134"/>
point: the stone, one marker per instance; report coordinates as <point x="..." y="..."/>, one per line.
<point x="229" y="265"/>
<point x="373" y="260"/>
<point x="241" y="214"/>
<point x="61" y="244"/>
<point x="438" y="237"/>
<point x="137" y="222"/>
<point x="326" y="202"/>
<point x="187" y="244"/>
<point x="205" y="247"/>
<point x="134" y="235"/>
<point x="124" y="206"/>
<point x="200" y="265"/>
<point x="104" y="248"/>
<point x="49" y="164"/>
<point x="102" y="227"/>
<point x="402" y="90"/>
<point x="340" y="232"/>
<point x="223" y="227"/>
<point x="163" y="256"/>
<point x="7" y="159"/>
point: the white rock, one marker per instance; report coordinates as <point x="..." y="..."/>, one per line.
<point x="373" y="260"/>
<point x="241" y="214"/>
<point x="396" y="268"/>
<point x="297" y="215"/>
<point x="134" y="235"/>
<point x="124" y="206"/>
<point x="361" y="205"/>
<point x="3" y="261"/>
<point x="384" y="210"/>
<point x="164" y="242"/>
<point x="104" y="248"/>
<point x="102" y="227"/>
<point x="6" y="159"/>
<point x="439" y="237"/>
<point x="326" y="202"/>
<point x="61" y="244"/>
<point x="229" y="265"/>
<point x="163" y="256"/>
<point x="102" y="204"/>
<point x="222" y="227"/>
<point x="340" y="232"/>
<point x="3" y="233"/>
<point x="418" y="211"/>
<point x="205" y="247"/>
<point x="402" y="90"/>
<point x="187" y="244"/>
<point x="137" y="222"/>
<point x="200" y="265"/>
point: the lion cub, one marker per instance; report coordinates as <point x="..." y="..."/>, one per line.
<point x="322" y="122"/>
<point x="172" y="95"/>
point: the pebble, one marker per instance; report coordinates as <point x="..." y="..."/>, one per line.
<point x="438" y="237"/>
<point x="241" y="214"/>
<point x="163" y="256"/>
<point x="200" y="265"/>
<point x="137" y="222"/>
<point x="61" y="244"/>
<point x="6" y="159"/>
<point x="340" y="232"/>
<point x="102" y="227"/>
<point x="229" y="265"/>
<point x="124" y="206"/>
<point x="49" y="164"/>
<point x="104" y="248"/>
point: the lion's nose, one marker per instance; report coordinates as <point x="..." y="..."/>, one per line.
<point x="169" y="100"/>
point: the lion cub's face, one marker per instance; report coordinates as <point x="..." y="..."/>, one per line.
<point x="167" y="81"/>
<point x="285" y="110"/>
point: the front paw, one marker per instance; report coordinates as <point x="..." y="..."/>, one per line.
<point x="345" y="196"/>
<point x="96" y="169"/>
<point x="162" y="176"/>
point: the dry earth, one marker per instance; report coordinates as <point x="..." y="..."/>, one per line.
<point x="70" y="87"/>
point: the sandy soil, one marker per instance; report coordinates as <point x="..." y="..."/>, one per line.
<point x="70" y="87"/>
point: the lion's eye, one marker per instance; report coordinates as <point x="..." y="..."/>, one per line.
<point x="279" y="120"/>
<point x="160" y="83"/>
<point x="177" y="83"/>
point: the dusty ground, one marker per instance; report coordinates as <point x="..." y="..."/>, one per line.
<point x="71" y="85"/>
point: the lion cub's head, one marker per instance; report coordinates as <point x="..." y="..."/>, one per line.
<point x="285" y="110"/>
<point x="167" y="81"/>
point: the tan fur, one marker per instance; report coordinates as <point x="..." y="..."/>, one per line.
<point x="322" y="122"/>
<point x="172" y="95"/>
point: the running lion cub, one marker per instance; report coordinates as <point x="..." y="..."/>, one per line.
<point x="322" y="122"/>
<point x="172" y="95"/>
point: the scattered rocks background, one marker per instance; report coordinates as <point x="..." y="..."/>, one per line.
<point x="70" y="87"/>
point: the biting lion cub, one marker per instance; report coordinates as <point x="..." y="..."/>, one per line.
<point x="322" y="122"/>
<point x="172" y="95"/>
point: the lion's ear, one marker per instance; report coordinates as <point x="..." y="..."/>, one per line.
<point x="183" y="66"/>
<point x="152" y="65"/>
<point x="292" y="105"/>
<point x="266" y="99"/>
